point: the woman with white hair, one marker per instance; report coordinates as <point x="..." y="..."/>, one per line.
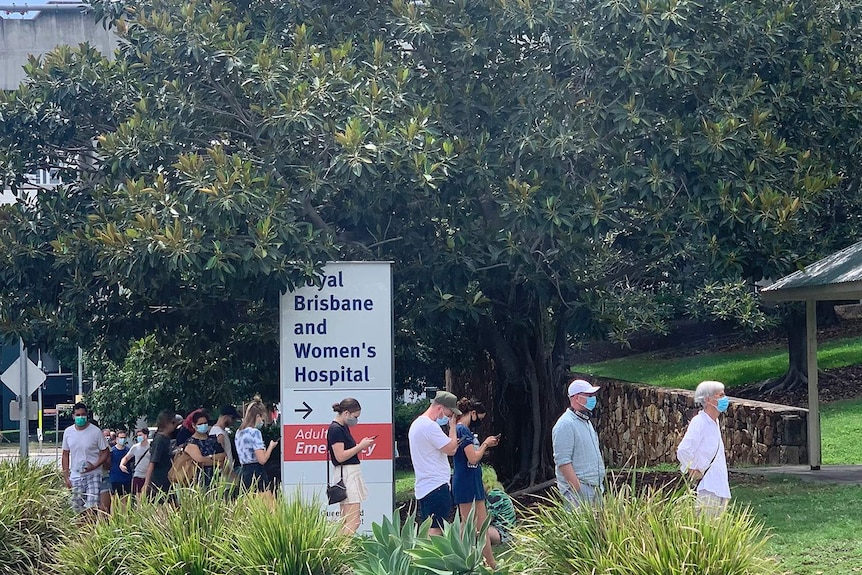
<point x="701" y="451"/>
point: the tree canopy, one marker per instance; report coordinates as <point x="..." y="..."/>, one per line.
<point x="539" y="171"/>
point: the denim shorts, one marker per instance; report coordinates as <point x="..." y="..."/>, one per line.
<point x="437" y="505"/>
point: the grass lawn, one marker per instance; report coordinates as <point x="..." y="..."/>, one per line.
<point x="732" y="368"/>
<point x="841" y="429"/>
<point x="815" y="529"/>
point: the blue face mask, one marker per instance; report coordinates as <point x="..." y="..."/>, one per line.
<point x="591" y="403"/>
<point x="441" y="421"/>
<point x="80" y="420"/>
<point x="722" y="403"/>
<point x="203" y="428"/>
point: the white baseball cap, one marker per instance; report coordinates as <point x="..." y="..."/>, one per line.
<point x="581" y="386"/>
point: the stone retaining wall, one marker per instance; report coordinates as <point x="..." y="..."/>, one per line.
<point x="641" y="425"/>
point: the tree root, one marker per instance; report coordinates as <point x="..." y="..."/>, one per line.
<point x="792" y="380"/>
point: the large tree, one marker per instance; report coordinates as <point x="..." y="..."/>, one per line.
<point x="539" y="171"/>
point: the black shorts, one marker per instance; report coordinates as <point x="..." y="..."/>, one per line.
<point x="121" y="488"/>
<point x="437" y="505"/>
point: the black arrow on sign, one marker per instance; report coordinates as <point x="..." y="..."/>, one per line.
<point x="307" y="410"/>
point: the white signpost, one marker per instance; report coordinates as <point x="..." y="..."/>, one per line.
<point x="336" y="342"/>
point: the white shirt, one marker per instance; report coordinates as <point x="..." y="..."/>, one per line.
<point x="430" y="464"/>
<point x="84" y="447"/>
<point x="702" y="448"/>
<point x="228" y="454"/>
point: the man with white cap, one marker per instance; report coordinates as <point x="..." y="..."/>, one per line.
<point x="577" y="457"/>
<point x="430" y="450"/>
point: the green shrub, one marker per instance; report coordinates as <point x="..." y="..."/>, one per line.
<point x="104" y="547"/>
<point x="34" y="515"/>
<point x="282" y="536"/>
<point x="182" y="540"/>
<point x="405" y="413"/>
<point x="639" y="533"/>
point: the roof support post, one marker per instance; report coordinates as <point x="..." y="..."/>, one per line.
<point x="813" y="393"/>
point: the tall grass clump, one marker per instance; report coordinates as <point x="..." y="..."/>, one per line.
<point x="106" y="545"/>
<point x="283" y="536"/>
<point x="34" y="515"/>
<point x="182" y="540"/>
<point x="638" y="533"/>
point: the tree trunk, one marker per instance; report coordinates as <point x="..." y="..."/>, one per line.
<point x="796" y="376"/>
<point x="527" y="397"/>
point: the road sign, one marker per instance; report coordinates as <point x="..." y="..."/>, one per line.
<point x="15" y="413"/>
<point x="12" y="377"/>
<point x="336" y="342"/>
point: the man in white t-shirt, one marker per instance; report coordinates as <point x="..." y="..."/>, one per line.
<point x="85" y="450"/>
<point x="228" y="415"/>
<point x="429" y="451"/>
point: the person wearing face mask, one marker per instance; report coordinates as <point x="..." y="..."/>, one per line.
<point x="203" y="448"/>
<point x="344" y="455"/>
<point x="701" y="451"/>
<point x="121" y="479"/>
<point x="140" y="454"/>
<point x="430" y="449"/>
<point x="467" y="488"/>
<point x="250" y="449"/>
<point x="577" y="456"/>
<point x="85" y="450"/>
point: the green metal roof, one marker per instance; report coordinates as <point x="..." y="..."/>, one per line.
<point x="835" y="277"/>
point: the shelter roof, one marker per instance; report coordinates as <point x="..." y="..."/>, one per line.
<point x="837" y="276"/>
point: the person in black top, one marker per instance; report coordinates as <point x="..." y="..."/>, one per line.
<point x="344" y="455"/>
<point x="204" y="449"/>
<point x="160" y="458"/>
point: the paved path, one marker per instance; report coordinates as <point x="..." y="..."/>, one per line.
<point x="841" y="474"/>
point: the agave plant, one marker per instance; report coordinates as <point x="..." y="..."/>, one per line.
<point x="386" y="551"/>
<point x="457" y="551"/>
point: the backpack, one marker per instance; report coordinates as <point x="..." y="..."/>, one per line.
<point x="183" y="469"/>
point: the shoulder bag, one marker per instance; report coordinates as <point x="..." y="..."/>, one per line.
<point x="337" y="492"/>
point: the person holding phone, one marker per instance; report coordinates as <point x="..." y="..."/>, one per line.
<point x="467" y="487"/>
<point x="250" y="449"/>
<point x="344" y="455"/>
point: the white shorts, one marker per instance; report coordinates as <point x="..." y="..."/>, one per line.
<point x="710" y="504"/>
<point x="357" y="492"/>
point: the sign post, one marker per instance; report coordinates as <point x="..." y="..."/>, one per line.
<point x="336" y="342"/>
<point x="22" y="378"/>
<point x="24" y="402"/>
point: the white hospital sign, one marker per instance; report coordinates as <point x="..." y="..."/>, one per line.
<point x="336" y="342"/>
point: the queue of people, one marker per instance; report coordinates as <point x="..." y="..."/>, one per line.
<point x="100" y="463"/>
<point x="578" y="461"/>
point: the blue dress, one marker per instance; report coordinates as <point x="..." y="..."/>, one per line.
<point x="467" y="478"/>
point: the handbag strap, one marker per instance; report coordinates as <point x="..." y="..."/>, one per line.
<point x="717" y="449"/>
<point x="142" y="455"/>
